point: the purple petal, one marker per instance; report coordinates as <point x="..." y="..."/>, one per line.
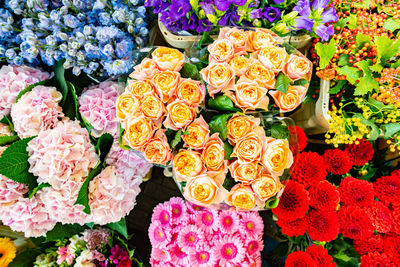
<point x="255" y="14"/>
<point x="238" y="2"/>
<point x="329" y="15"/>
<point x="223" y="21"/>
<point x="278" y="2"/>
<point x="304" y="23"/>
<point x="324" y="32"/>
<point x="253" y="3"/>
<point x="208" y="8"/>
<point x="303" y="8"/>
<point x="319" y="4"/>
<point x="222" y="5"/>
<point x="271" y="13"/>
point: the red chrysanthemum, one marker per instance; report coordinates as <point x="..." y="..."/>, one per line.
<point x="387" y="189"/>
<point x="309" y="169"/>
<point x="356" y="192"/>
<point x="369" y="245"/>
<point x="391" y="246"/>
<point x="320" y="255"/>
<point x="355" y="223"/>
<point x="395" y="217"/>
<point x="380" y="216"/>
<point x="337" y="161"/>
<point x="300" y="259"/>
<point x="376" y="260"/>
<point x="293" y="227"/>
<point x="301" y="138"/>
<point x="361" y="153"/>
<point x="324" y="196"/>
<point x="322" y="225"/>
<point x="293" y="203"/>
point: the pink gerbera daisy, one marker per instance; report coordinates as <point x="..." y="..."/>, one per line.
<point x="203" y="257"/>
<point x="160" y="255"/>
<point x="207" y="220"/>
<point x="158" y="237"/>
<point x="228" y="222"/>
<point x="252" y="223"/>
<point x="230" y="250"/>
<point x="178" y="256"/>
<point x="162" y="214"/>
<point x="178" y="209"/>
<point x="193" y="208"/>
<point x="189" y="238"/>
<point x="255" y="246"/>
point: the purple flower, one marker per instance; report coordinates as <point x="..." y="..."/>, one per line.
<point x="319" y="4"/>
<point x="224" y="20"/>
<point x="255" y="14"/>
<point x="208" y="8"/>
<point x="178" y="9"/>
<point x="278" y="2"/>
<point x="189" y="24"/>
<point x="254" y="3"/>
<point x="304" y="23"/>
<point x="324" y="31"/>
<point x="161" y="6"/>
<point x="152" y="3"/>
<point x="303" y="8"/>
<point x="222" y="5"/>
<point x="329" y="15"/>
<point x="96" y="238"/>
<point x="238" y="2"/>
<point x="204" y="25"/>
<point x="271" y="13"/>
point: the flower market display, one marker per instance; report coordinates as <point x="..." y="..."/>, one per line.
<point x="167" y="133"/>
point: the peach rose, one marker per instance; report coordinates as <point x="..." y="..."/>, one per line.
<point x="239" y="38"/>
<point x="140" y="88"/>
<point x="157" y="150"/>
<point x="145" y="70"/>
<point x="266" y="187"/>
<point x="221" y="50"/>
<point x="276" y="155"/>
<point x="248" y="148"/>
<point x="179" y="115"/>
<point x="219" y="77"/>
<point x="152" y="107"/>
<point x="191" y="92"/>
<point x="168" y="59"/>
<point x="204" y="190"/>
<point x="166" y="83"/>
<point x="292" y="99"/>
<point x="259" y="73"/>
<point x="297" y="67"/>
<point x="242" y="197"/>
<point x="239" y="64"/>
<point x="213" y="155"/>
<point x="273" y="57"/>
<point x="138" y="132"/>
<point x="197" y="134"/>
<point x="239" y="126"/>
<point x="260" y="38"/>
<point x="187" y="164"/>
<point x="249" y="95"/>
<point x="245" y="172"/>
<point x="127" y="106"/>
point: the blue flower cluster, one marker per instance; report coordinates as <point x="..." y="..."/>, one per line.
<point x="96" y="37"/>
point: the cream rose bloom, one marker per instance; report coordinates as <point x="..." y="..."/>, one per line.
<point x="245" y="172"/>
<point x="298" y="67"/>
<point x="168" y="59"/>
<point x="157" y="150"/>
<point x="266" y="186"/>
<point x="187" y="164"/>
<point x="179" y="115"/>
<point x="291" y="100"/>
<point x="197" y="135"/>
<point x="242" y="197"/>
<point x="276" y="155"/>
<point x="213" y="155"/>
<point x="261" y="74"/>
<point x="165" y="84"/>
<point x="221" y="50"/>
<point x="249" y="95"/>
<point x="238" y="37"/>
<point x="273" y="57"/>
<point x="145" y="70"/>
<point x="219" y="77"/>
<point x="238" y="126"/>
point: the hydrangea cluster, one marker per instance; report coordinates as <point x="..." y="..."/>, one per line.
<point x="95" y="37"/>
<point x="184" y="234"/>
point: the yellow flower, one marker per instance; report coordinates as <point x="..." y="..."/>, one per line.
<point x="7" y="251"/>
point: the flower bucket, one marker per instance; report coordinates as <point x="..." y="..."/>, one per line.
<point x="301" y="42"/>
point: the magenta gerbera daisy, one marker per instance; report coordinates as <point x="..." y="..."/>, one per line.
<point x="254" y="246"/>
<point x="178" y="208"/>
<point x="162" y="214"/>
<point x="193" y="208"/>
<point x="158" y="237"/>
<point x="189" y="238"/>
<point x="178" y="257"/>
<point x="252" y="223"/>
<point x="206" y="220"/>
<point x="229" y="222"/>
<point x="203" y="257"/>
<point x="230" y="250"/>
<point x="160" y="255"/>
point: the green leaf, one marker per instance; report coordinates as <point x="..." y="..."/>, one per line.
<point x="204" y="40"/>
<point x="289" y="48"/>
<point x="90" y="225"/>
<point x="218" y="125"/>
<point x="37" y="188"/>
<point x="377" y="104"/>
<point x="7" y="120"/>
<point x="272" y="203"/>
<point x="325" y="52"/>
<point x="228" y="150"/>
<point x="279" y="131"/>
<point x="375" y="132"/>
<point x="376" y="67"/>
<point x="61" y="231"/>
<point x="61" y="83"/>
<point x="386" y="48"/>
<point x="190" y="71"/>
<point x="352" y="22"/>
<point x="119" y="227"/>
<point x="177" y="139"/>
<point x="342" y="22"/>
<point x="229" y="182"/>
<point x="14" y="163"/>
<point x="70" y="107"/>
<point x="25" y="258"/>
<point x="391" y="25"/>
<point x="282" y="83"/>
<point x="362" y="39"/>
<point x="367" y="82"/>
<point x="222" y="103"/>
<point x="338" y="87"/>
<point x="30" y="87"/>
<point x="5" y="140"/>
<point x="103" y="146"/>
<point x="302" y="82"/>
<point x="352" y="74"/>
<point x="343" y="60"/>
<point x="391" y="129"/>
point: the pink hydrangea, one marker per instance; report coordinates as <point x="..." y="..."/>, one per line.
<point x="36" y="111"/>
<point x="14" y="79"/>
<point x="27" y="215"/>
<point x="62" y="154"/>
<point x="60" y="203"/>
<point x="11" y="191"/>
<point x="97" y="106"/>
<point x="111" y="196"/>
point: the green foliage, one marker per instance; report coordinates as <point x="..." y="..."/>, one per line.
<point x="391" y="129"/>
<point x="352" y="74"/>
<point x="37" y="188"/>
<point x="272" y="203"/>
<point x="61" y="83"/>
<point x="228" y="150"/>
<point x="5" y="140"/>
<point x="325" y="52"/>
<point x="367" y="82"/>
<point x="375" y="132"/>
<point x="391" y="24"/>
<point x="30" y="87"/>
<point x="229" y="182"/>
<point x="362" y="39"/>
<point x="218" y="125"/>
<point x="222" y="103"/>
<point x="282" y="83"/>
<point x="190" y="71"/>
<point x="302" y="82"/>
<point x="177" y="139"/>
<point x="338" y="87"/>
<point x="119" y="227"/>
<point x="25" y="258"/>
<point x="343" y="60"/>
<point x="61" y="231"/>
<point x="386" y="48"/>
<point x="279" y="131"/>
<point x="70" y="107"/>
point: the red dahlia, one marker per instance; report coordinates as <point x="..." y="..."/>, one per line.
<point x="301" y="138"/>
<point x="376" y="260"/>
<point x="322" y="225"/>
<point x="324" y="196"/>
<point x="369" y="245"/>
<point x="387" y="189"/>
<point x="395" y="217"/>
<point x="380" y="216"/>
<point x="396" y="173"/>
<point x="355" y="223"/>
<point x="356" y="192"/>
<point x="293" y="227"/>
<point x="309" y="169"/>
<point x="392" y="247"/>
<point x="293" y="203"/>
<point x="337" y="161"/>
<point x="300" y="259"/>
<point x="320" y="255"/>
<point x="361" y="153"/>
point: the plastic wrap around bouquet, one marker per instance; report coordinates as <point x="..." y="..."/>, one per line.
<point x="214" y="119"/>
